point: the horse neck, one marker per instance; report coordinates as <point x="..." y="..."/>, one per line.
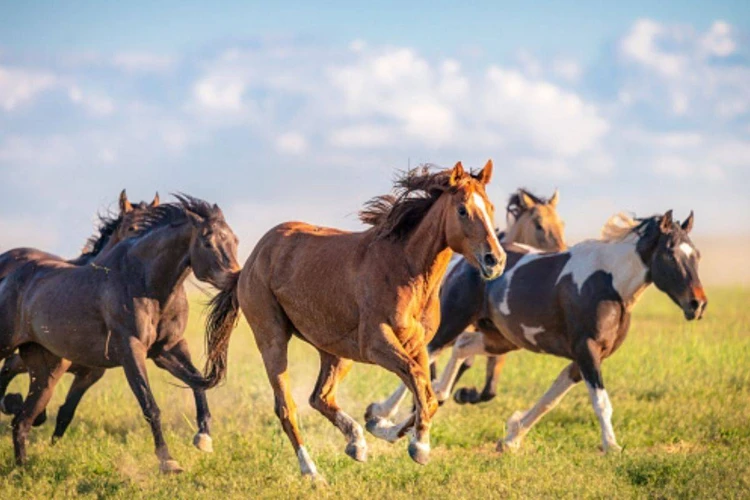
<point x="629" y="272"/>
<point x="426" y="250"/>
<point x="514" y="233"/>
<point x="165" y="257"/>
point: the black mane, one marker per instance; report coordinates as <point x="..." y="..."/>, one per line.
<point x="174" y="213"/>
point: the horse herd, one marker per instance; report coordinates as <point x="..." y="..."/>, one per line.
<point x="390" y="295"/>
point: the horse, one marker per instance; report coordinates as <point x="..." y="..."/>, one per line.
<point x="111" y="231"/>
<point x="531" y="220"/>
<point x="369" y="296"/>
<point x="110" y="314"/>
<point x="577" y="305"/>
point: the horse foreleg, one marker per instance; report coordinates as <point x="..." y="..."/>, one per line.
<point x="178" y="362"/>
<point x="468" y="344"/>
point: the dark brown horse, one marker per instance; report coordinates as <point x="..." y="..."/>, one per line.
<point x="370" y="297"/>
<point x="577" y="305"/>
<point x="531" y="220"/>
<point x="109" y="314"/>
<point x="111" y="231"/>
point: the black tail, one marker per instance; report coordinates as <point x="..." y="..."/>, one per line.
<point x="223" y="313"/>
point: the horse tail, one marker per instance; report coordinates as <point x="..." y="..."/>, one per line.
<point x="223" y="314"/>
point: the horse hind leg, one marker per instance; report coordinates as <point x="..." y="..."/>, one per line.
<point x="332" y="370"/>
<point x="469" y="344"/>
<point x="45" y="371"/>
<point x="471" y="395"/>
<point x="84" y="379"/>
<point x="10" y="404"/>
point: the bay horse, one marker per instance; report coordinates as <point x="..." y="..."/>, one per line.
<point x="370" y="296"/>
<point x="531" y="220"/>
<point x="577" y="304"/>
<point x="111" y="231"/>
<point x="107" y="315"/>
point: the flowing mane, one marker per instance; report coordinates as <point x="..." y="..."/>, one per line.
<point x="177" y="212"/>
<point x="395" y="215"/>
<point x="108" y="225"/>
<point x="621" y="225"/>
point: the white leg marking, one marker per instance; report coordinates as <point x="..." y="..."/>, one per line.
<point x="530" y="332"/>
<point x="603" y="408"/>
<point x="389" y="407"/>
<point x="520" y="423"/>
<point x="467" y="345"/>
<point x="306" y="465"/>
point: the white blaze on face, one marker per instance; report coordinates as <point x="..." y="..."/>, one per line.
<point x="479" y="202"/>
<point x="687" y="249"/>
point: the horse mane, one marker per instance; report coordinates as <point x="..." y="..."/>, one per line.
<point x="108" y="225"/>
<point x="516" y="208"/>
<point x="174" y="213"/>
<point x="395" y="215"/>
<point x="621" y="225"/>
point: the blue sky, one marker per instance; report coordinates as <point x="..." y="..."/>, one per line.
<point x="292" y="111"/>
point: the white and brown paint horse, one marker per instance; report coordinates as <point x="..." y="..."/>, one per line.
<point x="577" y="305"/>
<point x="531" y="220"/>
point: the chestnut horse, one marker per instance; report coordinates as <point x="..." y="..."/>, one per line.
<point x="531" y="220"/>
<point x="370" y="296"/>
<point x="107" y="315"/>
<point x="577" y="305"/>
<point x="111" y="231"/>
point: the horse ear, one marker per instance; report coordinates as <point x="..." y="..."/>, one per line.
<point x="218" y="210"/>
<point x="457" y="174"/>
<point x="485" y="175"/>
<point x="666" y="222"/>
<point x="125" y="205"/>
<point x="555" y="198"/>
<point x="687" y="226"/>
<point x="156" y="201"/>
<point x="526" y="201"/>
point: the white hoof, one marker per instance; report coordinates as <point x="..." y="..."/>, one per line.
<point x="611" y="448"/>
<point x="382" y="429"/>
<point x="170" y="467"/>
<point x="203" y="442"/>
<point x="512" y="440"/>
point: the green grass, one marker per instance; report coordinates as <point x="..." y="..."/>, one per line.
<point x="680" y="391"/>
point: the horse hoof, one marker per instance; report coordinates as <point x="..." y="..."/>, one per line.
<point x="373" y="411"/>
<point x="203" y="442"/>
<point x="170" y="467"/>
<point x="419" y="452"/>
<point x="504" y="446"/>
<point x="381" y="428"/>
<point x="40" y="419"/>
<point x="11" y="404"/>
<point x="611" y="449"/>
<point x="316" y="479"/>
<point x="357" y="451"/>
<point x="465" y="395"/>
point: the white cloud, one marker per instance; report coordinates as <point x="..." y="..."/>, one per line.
<point x="18" y="86"/>
<point x="220" y="94"/>
<point x="718" y="41"/>
<point x="640" y="45"/>
<point x="95" y="103"/>
<point x="292" y="143"/>
<point x="361" y="136"/>
<point x="567" y="69"/>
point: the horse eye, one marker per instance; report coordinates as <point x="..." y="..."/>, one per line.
<point x="462" y="211"/>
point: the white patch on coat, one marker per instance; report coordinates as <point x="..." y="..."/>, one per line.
<point x="686" y="248"/>
<point x="619" y="259"/>
<point x="306" y="465"/>
<point x="479" y="202"/>
<point x="530" y="332"/>
<point x="507" y="277"/>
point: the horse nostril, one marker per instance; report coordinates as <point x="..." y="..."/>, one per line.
<point x="694" y="305"/>
<point x="490" y="260"/>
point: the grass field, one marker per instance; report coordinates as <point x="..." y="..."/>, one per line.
<point x="680" y="391"/>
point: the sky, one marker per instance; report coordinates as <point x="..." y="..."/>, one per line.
<point x="291" y="111"/>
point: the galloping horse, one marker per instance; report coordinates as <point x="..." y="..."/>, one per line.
<point x="370" y="296"/>
<point x="111" y="231"/>
<point x="111" y="314"/>
<point x="577" y="305"/>
<point x="530" y="221"/>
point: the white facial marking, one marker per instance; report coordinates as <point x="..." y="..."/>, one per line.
<point x="530" y="332"/>
<point x="686" y="248"/>
<point x="479" y="202"/>
<point x="306" y="464"/>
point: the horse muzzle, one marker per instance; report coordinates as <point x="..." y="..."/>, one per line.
<point x="491" y="266"/>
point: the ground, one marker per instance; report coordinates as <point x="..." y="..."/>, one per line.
<point x="680" y="391"/>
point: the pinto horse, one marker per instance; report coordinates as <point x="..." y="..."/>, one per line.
<point x="531" y="220"/>
<point x="111" y="231"/>
<point x="368" y="296"/>
<point x="107" y="315"/>
<point x="577" y="305"/>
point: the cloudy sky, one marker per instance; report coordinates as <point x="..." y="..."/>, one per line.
<point x="286" y="111"/>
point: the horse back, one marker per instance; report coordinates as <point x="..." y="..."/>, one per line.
<point x="16" y="257"/>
